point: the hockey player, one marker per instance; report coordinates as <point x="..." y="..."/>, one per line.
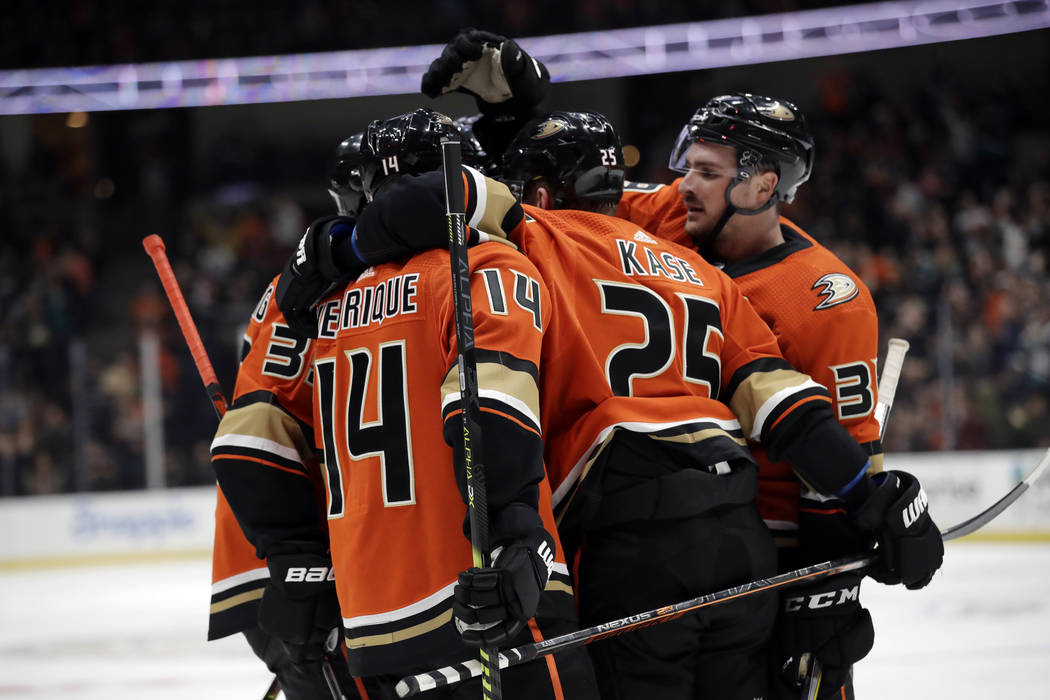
<point x="742" y="156"/>
<point x="394" y="506"/>
<point x="797" y="286"/>
<point x="267" y="433"/>
<point x="655" y="372"/>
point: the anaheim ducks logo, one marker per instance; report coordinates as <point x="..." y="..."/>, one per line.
<point x="777" y="110"/>
<point x="837" y="289"/>
<point x="549" y="128"/>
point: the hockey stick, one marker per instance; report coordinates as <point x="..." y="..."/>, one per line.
<point x="896" y="349"/>
<point x="154" y="246"/>
<point x="477" y="497"/>
<point x="891" y="374"/>
<point x="413" y="685"/>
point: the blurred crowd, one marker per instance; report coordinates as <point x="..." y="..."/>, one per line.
<point x="938" y="197"/>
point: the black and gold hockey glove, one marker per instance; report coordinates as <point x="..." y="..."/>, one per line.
<point x="494" y="69"/>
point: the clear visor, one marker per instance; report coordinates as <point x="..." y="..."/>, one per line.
<point x="691" y="134"/>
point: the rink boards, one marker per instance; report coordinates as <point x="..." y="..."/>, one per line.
<point x="66" y="530"/>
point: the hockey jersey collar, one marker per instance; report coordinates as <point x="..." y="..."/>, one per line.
<point x="793" y="242"/>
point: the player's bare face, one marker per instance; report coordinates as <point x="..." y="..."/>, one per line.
<point x="703" y="189"/>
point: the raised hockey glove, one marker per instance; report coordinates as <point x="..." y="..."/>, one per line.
<point x="299" y="606"/>
<point x="896" y="513"/>
<point x="824" y="621"/>
<point x="324" y="255"/>
<point x="494" y="69"/>
<point x="493" y="604"/>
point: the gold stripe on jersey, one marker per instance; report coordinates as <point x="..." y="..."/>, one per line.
<point x="515" y="389"/>
<point x="758" y="397"/>
<point x="559" y="583"/>
<point x="558" y="586"/>
<point x="401" y="635"/>
<point x="697" y="436"/>
<point x="262" y="427"/>
<point x="239" y="599"/>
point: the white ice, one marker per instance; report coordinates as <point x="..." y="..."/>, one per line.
<point x="980" y="630"/>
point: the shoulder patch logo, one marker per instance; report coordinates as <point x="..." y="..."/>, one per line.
<point x="837" y="289"/>
<point x="643" y="237"/>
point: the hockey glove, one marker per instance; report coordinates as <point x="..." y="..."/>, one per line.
<point x="910" y="548"/>
<point x="502" y="78"/>
<point x="324" y="255"/>
<point x="409" y="216"/>
<point x="493" y="604"/>
<point x="299" y="606"/>
<point x="824" y="621"/>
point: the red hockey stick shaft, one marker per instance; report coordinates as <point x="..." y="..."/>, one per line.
<point x="154" y="246"/>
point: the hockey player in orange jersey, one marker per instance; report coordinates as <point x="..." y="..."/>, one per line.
<point x="385" y="387"/>
<point x="271" y="421"/>
<point x="741" y="156"/>
<point x="268" y="431"/>
<point x="656" y="372"/>
<point x="266" y="438"/>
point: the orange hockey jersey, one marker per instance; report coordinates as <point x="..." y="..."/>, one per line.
<point x="656" y="341"/>
<point x="386" y="407"/>
<point x="821" y="313"/>
<point x="646" y="336"/>
<point x="264" y="438"/>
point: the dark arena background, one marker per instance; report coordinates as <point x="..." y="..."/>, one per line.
<point x="214" y="125"/>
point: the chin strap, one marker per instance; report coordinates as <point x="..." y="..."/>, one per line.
<point x="707" y="248"/>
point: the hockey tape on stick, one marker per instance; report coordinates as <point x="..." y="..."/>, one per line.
<point x="413" y="685"/>
<point x="891" y="374"/>
<point x="477" y="497"/>
<point x="154" y="246"/>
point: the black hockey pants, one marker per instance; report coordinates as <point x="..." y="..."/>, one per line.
<point x="718" y="653"/>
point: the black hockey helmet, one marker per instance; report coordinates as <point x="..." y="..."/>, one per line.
<point x="344" y="182"/>
<point x="578" y="152"/>
<point x="410" y="144"/>
<point x="764" y="130"/>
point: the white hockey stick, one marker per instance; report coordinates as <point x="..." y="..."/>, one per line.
<point x="448" y="675"/>
<point x="891" y="374"/>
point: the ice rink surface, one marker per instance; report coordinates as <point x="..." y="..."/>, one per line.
<point x="981" y="630"/>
